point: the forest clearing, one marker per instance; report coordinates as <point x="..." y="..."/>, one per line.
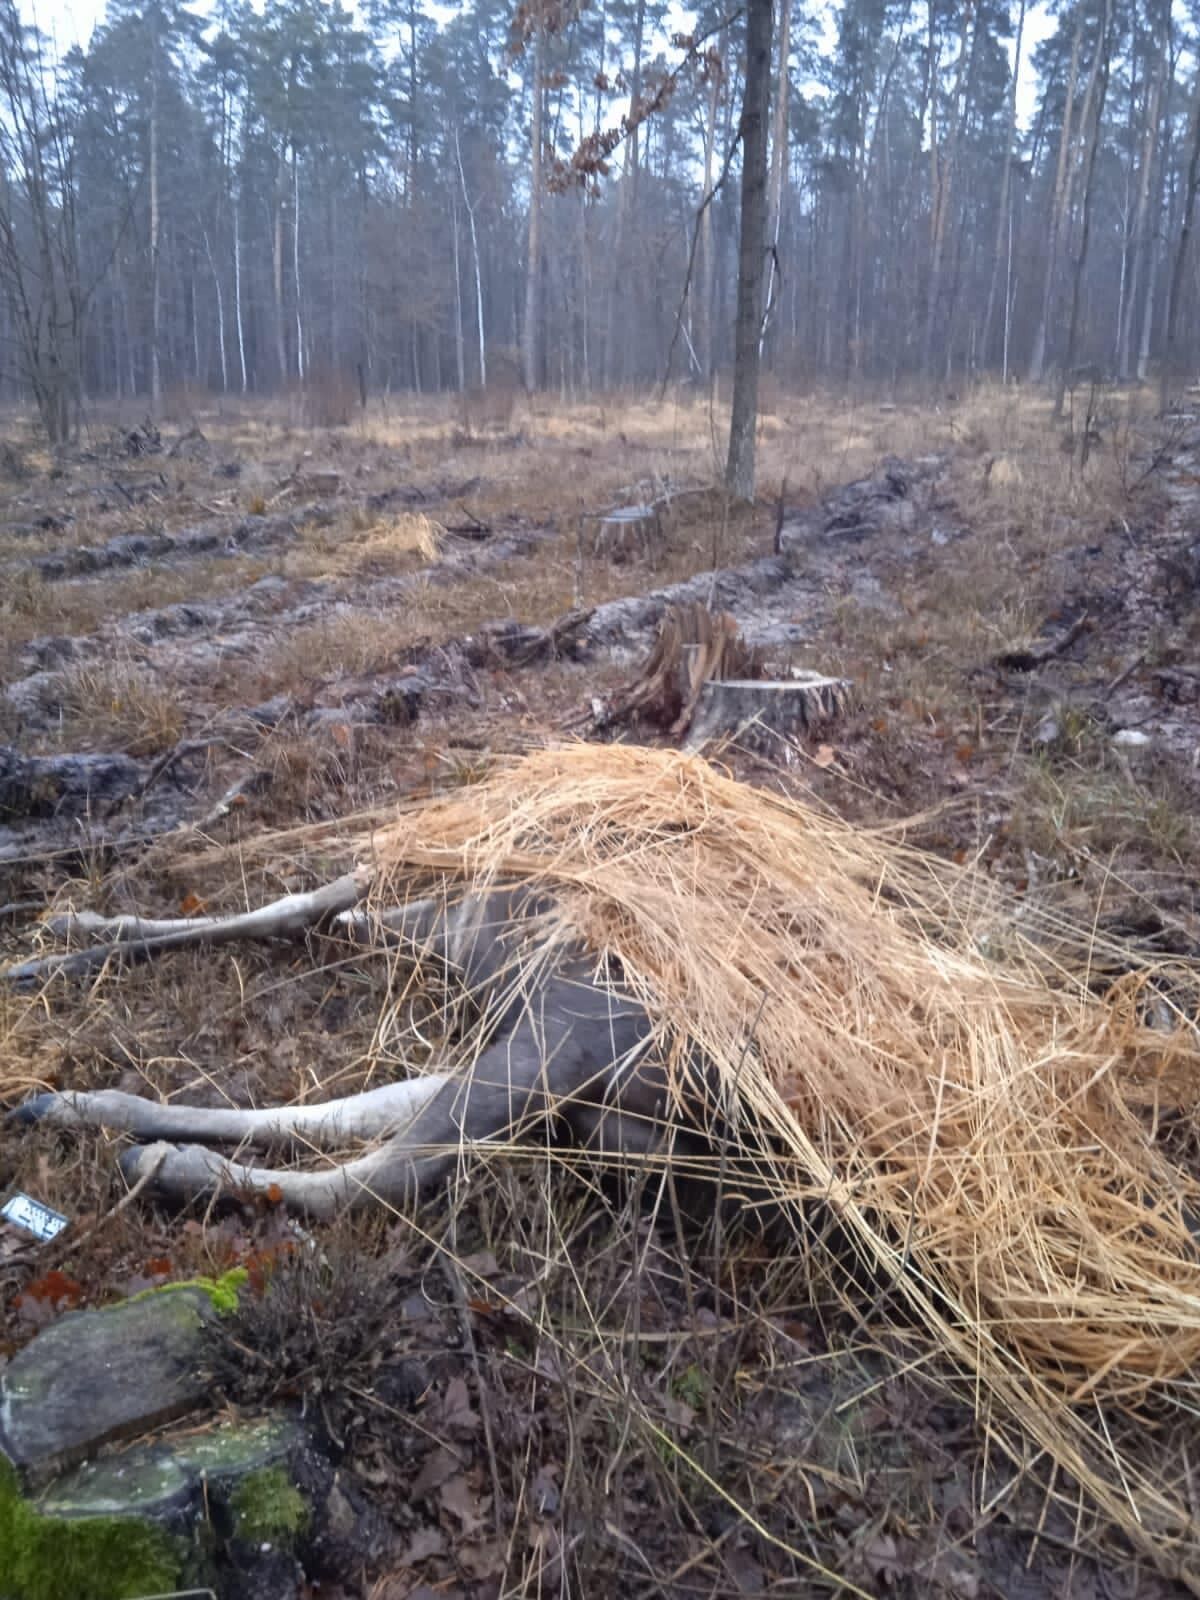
<point x="237" y="645"/>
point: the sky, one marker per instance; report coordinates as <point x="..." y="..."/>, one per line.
<point x="68" y="22"/>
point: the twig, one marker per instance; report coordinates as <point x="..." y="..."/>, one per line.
<point x="74" y="1241"/>
<point x="458" y="1290"/>
<point x="1124" y="675"/>
<point x="1029" y="660"/>
<point x="687" y="277"/>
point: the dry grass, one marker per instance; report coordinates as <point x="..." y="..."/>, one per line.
<point x="118" y="705"/>
<point x="383" y="547"/>
<point x="978" y="1125"/>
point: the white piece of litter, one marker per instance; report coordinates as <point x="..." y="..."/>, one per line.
<point x="34" y="1217"/>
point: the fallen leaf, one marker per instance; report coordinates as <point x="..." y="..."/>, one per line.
<point x="191" y="905"/>
<point x="825" y="756"/>
<point x="457" y="1412"/>
<point x="438" y="1465"/>
<point x="424" y="1543"/>
<point x="458" y="1496"/>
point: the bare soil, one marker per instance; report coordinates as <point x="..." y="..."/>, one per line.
<point x="283" y="631"/>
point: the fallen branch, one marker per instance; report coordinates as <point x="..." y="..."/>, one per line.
<point x="139" y="938"/>
<point x="1030" y="660"/>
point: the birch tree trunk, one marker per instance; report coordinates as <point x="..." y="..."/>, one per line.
<point x="779" y="163"/>
<point x="462" y="178"/>
<point x="296" y="261"/>
<point x="237" y="289"/>
<point x="531" y="332"/>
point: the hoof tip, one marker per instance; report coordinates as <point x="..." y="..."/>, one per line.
<point x="31" y="1111"/>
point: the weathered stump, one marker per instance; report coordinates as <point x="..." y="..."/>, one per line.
<point x="760" y="714"/>
<point x="626" y="532"/>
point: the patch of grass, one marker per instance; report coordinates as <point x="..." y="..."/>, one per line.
<point x="119" y="705"/>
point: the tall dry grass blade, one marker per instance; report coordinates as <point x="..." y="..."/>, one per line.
<point x="974" y="1115"/>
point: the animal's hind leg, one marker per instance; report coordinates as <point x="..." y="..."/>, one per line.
<point x="330" y="1123"/>
<point x="193" y="1172"/>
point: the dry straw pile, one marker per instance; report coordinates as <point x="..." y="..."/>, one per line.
<point x="983" y="1126"/>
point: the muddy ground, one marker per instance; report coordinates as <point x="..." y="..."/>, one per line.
<point x="230" y="643"/>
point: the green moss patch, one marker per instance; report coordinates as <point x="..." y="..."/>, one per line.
<point x="60" y="1558"/>
<point x="223" y="1292"/>
<point x="268" y="1508"/>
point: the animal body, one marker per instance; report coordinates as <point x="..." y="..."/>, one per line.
<point x="571" y="1057"/>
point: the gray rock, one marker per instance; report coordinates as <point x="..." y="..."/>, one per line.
<point x="167" y="1480"/>
<point x="40" y="786"/>
<point x="97" y="1376"/>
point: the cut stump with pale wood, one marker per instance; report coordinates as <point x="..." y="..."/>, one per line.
<point x="763" y="714"/>
<point x="626" y="532"/>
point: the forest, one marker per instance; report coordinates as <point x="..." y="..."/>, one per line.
<point x="255" y="197"/>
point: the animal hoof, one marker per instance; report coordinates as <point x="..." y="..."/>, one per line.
<point x="31" y="1111"/>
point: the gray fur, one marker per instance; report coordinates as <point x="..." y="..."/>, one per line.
<point x="571" y="1057"/>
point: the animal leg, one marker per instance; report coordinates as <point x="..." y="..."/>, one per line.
<point x="192" y="1172"/>
<point x="325" y="1125"/>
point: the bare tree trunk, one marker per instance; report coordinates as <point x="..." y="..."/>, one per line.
<point x="1037" y="361"/>
<point x="237" y="290"/>
<point x="1103" y="48"/>
<point x="618" y="286"/>
<point x="296" y="261"/>
<point x="1175" y="293"/>
<point x="459" y="342"/>
<point x="462" y="178"/>
<point x="216" y="277"/>
<point x="739" y="470"/>
<point x="531" y="332"/>
<point x="1004" y="211"/>
<point x="1141" y="241"/>
<point x="706" y="226"/>
<point x="944" y="175"/>
<point x="277" y="275"/>
<point x="779" y="163"/>
<point x="155" y="286"/>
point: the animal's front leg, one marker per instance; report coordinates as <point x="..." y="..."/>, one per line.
<point x="323" y="1125"/>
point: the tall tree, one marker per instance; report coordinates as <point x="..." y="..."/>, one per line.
<point x="743" y="422"/>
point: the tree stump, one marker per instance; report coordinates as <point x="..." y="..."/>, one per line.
<point x="761" y="714"/>
<point x="626" y="532"/>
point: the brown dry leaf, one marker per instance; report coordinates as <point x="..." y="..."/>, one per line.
<point x="425" y="1542"/>
<point x="192" y="905"/>
<point x="484" y="1560"/>
<point x="458" y="1414"/>
<point x="438" y="1465"/>
<point x="825" y="756"/>
<point x="459" y="1496"/>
